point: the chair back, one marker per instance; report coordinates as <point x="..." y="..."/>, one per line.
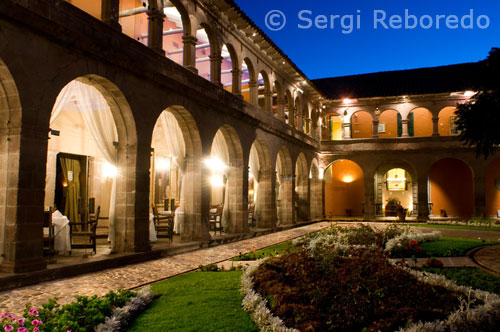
<point x="155" y="210"/>
<point x="220" y="208"/>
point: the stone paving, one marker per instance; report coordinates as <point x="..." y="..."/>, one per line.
<point x="135" y="275"/>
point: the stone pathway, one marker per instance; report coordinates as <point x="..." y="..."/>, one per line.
<point x="489" y="257"/>
<point x="135" y="275"/>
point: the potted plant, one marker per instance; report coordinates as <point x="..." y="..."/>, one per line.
<point x="391" y="207"/>
<point x="401" y="213"/>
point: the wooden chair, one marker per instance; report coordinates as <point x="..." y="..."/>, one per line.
<point x="86" y="236"/>
<point x="164" y="224"/>
<point x="215" y="220"/>
<point x="251" y="216"/>
<point x="49" y="238"/>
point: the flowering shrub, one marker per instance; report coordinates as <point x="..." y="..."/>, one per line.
<point x="409" y="235"/>
<point x="28" y="323"/>
<point x="406" y="248"/>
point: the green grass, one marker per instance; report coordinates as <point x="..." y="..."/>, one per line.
<point x="471" y="228"/>
<point x="274" y="250"/>
<point x="197" y="301"/>
<point x="448" y="246"/>
<point x="470" y="276"/>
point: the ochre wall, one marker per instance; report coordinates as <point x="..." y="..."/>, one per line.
<point x="362" y="126"/>
<point x="422" y="122"/>
<point x="444" y="120"/>
<point x="451" y="188"/>
<point x="390" y="118"/>
<point x="136" y="25"/>
<point x="492" y="192"/>
<point x="92" y="7"/>
<point x="340" y="196"/>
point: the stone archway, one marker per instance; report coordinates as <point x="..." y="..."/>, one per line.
<point x="316" y="191"/>
<point x="176" y="136"/>
<point x="344" y="189"/>
<point x="284" y="187"/>
<point x="261" y="183"/>
<point x="301" y="190"/>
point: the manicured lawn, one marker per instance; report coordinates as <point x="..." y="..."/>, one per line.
<point x="451" y="247"/>
<point x="470" y="276"/>
<point x="197" y="301"/>
<point x="277" y="249"/>
<point x="471" y="228"/>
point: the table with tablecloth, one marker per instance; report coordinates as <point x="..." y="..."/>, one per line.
<point x="62" y="241"/>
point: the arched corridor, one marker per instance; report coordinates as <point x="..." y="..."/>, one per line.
<point x="284" y="187"/>
<point x="344" y="189"/>
<point x="301" y="191"/>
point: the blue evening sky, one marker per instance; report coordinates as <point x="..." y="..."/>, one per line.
<point x="323" y="51"/>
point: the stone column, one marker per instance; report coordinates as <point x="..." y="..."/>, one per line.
<point x="423" y="197"/>
<point x="281" y="109"/>
<point x="266" y="201"/>
<point x="300" y="122"/>
<point x="291" y="116"/>
<point x="404" y="125"/>
<point x="190" y="52"/>
<point x="254" y="92"/>
<point x="110" y="13"/>
<point x="215" y="68"/>
<point x="155" y="28"/>
<point x="435" y="126"/>
<point x="236" y="89"/>
<point x="206" y="195"/>
<point x="347" y="130"/>
<point x="316" y="198"/>
<point x="268" y="102"/>
<point x="369" y="207"/>
<point x="238" y="202"/>
<point x="287" y="201"/>
<point x="375" y="129"/>
<point x="26" y="153"/>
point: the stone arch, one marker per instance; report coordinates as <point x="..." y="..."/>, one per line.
<point x="388" y="121"/>
<point x="176" y="32"/>
<point x="249" y="82"/>
<point x="446" y="121"/>
<point x="316" y="191"/>
<point x="185" y="161"/>
<point x="278" y="100"/>
<point x="262" y="173"/>
<point x="361" y="124"/>
<point x="419" y="122"/>
<point x="284" y="187"/>
<point x="264" y="92"/>
<point x="492" y="188"/>
<point x="227" y="147"/>
<point x="126" y="222"/>
<point x="298" y="112"/>
<point x="344" y="188"/>
<point x="207" y="52"/>
<point x="407" y="197"/>
<point x="10" y="125"/>
<point x="230" y="70"/>
<point x="301" y="190"/>
<point x="451" y="188"/>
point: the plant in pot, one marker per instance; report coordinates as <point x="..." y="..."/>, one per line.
<point x="401" y="213"/>
<point x="391" y="207"/>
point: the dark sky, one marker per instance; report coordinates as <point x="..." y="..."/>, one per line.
<point x="323" y="50"/>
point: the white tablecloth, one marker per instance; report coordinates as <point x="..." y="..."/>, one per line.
<point x="152" y="230"/>
<point x="62" y="242"/>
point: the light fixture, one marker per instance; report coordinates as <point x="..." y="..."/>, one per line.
<point x="347" y="101"/>
<point x="215" y="164"/>
<point x="217" y="181"/>
<point x="162" y="163"/>
<point x="347" y="178"/>
<point x="109" y="171"/>
<point x="254" y="34"/>
<point x="321" y="171"/>
<point x="469" y="93"/>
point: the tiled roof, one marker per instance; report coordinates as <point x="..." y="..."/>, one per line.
<point x="432" y="80"/>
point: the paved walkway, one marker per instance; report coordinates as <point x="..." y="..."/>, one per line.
<point x="135" y="275"/>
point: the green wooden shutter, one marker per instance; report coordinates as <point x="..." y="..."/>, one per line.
<point x="400" y="126"/>
<point x="411" y="122"/>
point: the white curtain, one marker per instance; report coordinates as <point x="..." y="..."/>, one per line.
<point x="99" y="121"/>
<point x="219" y="150"/>
<point x="254" y="164"/>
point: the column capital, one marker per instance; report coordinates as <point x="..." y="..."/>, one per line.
<point x="189" y="39"/>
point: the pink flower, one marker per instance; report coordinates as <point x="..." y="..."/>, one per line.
<point x="399" y="245"/>
<point x="20" y="321"/>
<point x="36" y="322"/>
<point x="68" y="331"/>
<point x="33" y="312"/>
<point x="22" y="329"/>
<point x="35" y="329"/>
<point x="8" y="328"/>
<point x="3" y="315"/>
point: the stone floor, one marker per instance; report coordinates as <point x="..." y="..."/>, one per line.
<point x="135" y="275"/>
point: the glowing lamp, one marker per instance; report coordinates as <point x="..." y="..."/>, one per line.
<point x="469" y="93"/>
<point x="109" y="171"/>
<point x="347" y="179"/>
<point x="215" y="164"/>
<point x="347" y="101"/>
<point x="216" y="181"/>
<point x="162" y="164"/>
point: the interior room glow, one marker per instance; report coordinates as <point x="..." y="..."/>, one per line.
<point x="162" y="163"/>
<point x="347" y="178"/>
<point x="215" y="164"/>
<point x="321" y="171"/>
<point x="217" y="181"/>
<point x="109" y="171"/>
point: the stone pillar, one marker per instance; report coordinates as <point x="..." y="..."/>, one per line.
<point x="215" y="68"/>
<point x="301" y="203"/>
<point x="479" y="194"/>
<point x="236" y="89"/>
<point x="404" y="125"/>
<point x="26" y="153"/>
<point x="369" y="206"/>
<point x="206" y="195"/>
<point x="268" y="102"/>
<point x="238" y="201"/>
<point x="291" y="116"/>
<point x="155" y="28"/>
<point x="281" y="109"/>
<point x="375" y="129"/>
<point x="347" y="130"/>
<point x="254" y="92"/>
<point x="192" y="227"/>
<point x="435" y="126"/>
<point x="423" y="197"/>
<point x="316" y="194"/>
<point x="110" y="13"/>
<point x="287" y="201"/>
<point x="308" y="126"/>
<point x="265" y="207"/>
<point x="190" y="52"/>
<point x="300" y="122"/>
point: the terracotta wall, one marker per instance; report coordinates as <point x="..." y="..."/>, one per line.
<point x="92" y="7"/>
<point x="422" y="122"/>
<point x="362" y="125"/>
<point x="390" y="119"/>
<point x="136" y="25"/>
<point x="444" y="120"/>
<point x="339" y="195"/>
<point x="173" y="42"/>
<point x="451" y="188"/>
<point x="492" y="188"/>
